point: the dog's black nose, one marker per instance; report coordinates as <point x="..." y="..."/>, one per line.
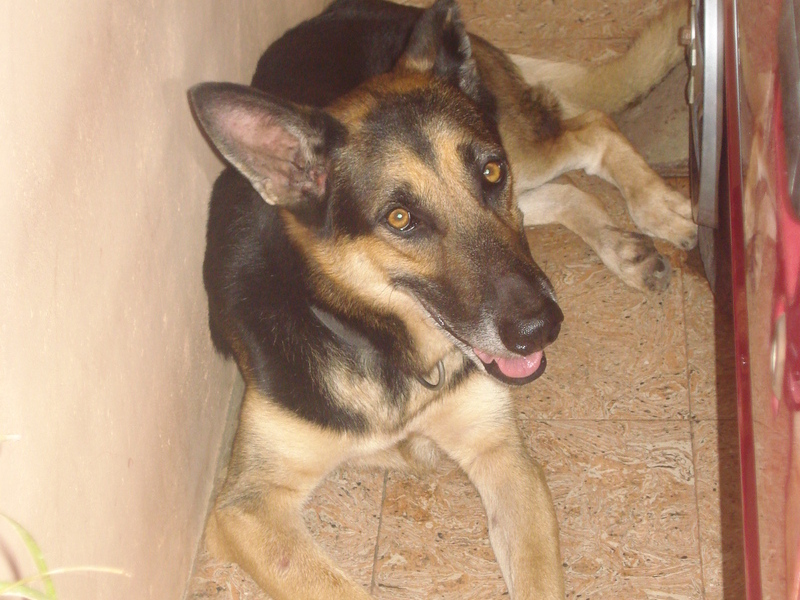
<point x="530" y="318"/>
<point x="528" y="333"/>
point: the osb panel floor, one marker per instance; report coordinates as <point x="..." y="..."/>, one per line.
<point x="634" y="419"/>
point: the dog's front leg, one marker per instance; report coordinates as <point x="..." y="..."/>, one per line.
<point x="476" y="427"/>
<point x="592" y="142"/>
<point x="632" y="256"/>
<point x="270" y="541"/>
<point x="277" y="460"/>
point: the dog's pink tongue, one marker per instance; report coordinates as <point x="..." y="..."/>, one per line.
<point x="523" y="366"/>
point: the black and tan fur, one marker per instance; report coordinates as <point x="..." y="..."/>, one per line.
<point x="368" y="269"/>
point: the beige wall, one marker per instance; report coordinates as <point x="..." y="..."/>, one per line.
<point x="106" y="367"/>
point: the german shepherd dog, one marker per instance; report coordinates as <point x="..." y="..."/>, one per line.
<point x="368" y="269"/>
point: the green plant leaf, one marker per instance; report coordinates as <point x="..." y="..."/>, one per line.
<point x="21" y="588"/>
<point x="36" y="555"/>
<point x="22" y="591"/>
<point x="7" y="588"/>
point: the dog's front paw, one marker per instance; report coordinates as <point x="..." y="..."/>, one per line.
<point x="636" y="261"/>
<point x="665" y="213"/>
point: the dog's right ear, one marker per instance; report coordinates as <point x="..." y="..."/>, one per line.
<point x="280" y="147"/>
<point x="439" y="44"/>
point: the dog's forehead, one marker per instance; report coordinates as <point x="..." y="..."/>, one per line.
<point x="415" y="116"/>
<point x="409" y="109"/>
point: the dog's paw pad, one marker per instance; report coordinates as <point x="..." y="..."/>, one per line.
<point x="659" y="277"/>
<point x="639" y="264"/>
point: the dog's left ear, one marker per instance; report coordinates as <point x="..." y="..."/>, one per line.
<point x="280" y="147"/>
<point x="439" y="43"/>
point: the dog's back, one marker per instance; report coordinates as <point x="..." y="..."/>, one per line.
<point x="325" y="57"/>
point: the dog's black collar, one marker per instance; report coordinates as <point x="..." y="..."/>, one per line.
<point x="344" y="333"/>
<point x="355" y="340"/>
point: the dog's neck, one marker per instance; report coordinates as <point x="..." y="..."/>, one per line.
<point x="358" y="342"/>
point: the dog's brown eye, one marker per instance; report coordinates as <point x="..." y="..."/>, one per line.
<point x="400" y="219"/>
<point x="492" y="171"/>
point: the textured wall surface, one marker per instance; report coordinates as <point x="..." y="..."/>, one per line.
<point x="107" y="375"/>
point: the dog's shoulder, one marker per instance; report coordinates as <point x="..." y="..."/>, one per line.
<point x="245" y="244"/>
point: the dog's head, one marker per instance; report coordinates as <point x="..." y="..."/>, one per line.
<point x="401" y="193"/>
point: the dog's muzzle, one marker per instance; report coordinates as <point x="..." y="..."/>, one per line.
<point x="529" y="320"/>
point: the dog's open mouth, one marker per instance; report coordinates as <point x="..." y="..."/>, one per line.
<point x="514" y="371"/>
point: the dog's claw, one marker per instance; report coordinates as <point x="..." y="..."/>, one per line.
<point x="691" y="241"/>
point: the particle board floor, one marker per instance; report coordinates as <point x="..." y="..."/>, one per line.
<point x="634" y="420"/>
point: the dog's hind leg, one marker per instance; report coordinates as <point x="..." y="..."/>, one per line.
<point x="257" y="519"/>
<point x="476" y="427"/>
<point x="632" y="256"/>
<point x="612" y="85"/>
<point x="591" y="142"/>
